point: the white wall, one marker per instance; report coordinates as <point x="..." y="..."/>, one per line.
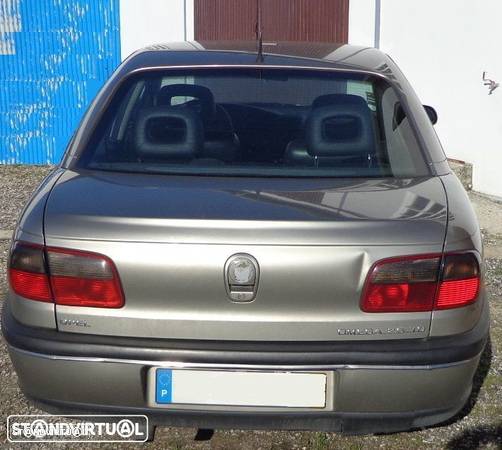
<point x="362" y="22"/>
<point x="146" y="22"/>
<point x="443" y="48"/>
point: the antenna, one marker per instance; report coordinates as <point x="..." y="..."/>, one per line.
<point x="259" y="32"/>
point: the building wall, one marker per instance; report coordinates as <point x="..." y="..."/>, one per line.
<point x="443" y="47"/>
<point x="146" y="22"/>
<point x="54" y="56"/>
<point x="281" y="20"/>
<point x="362" y="22"/>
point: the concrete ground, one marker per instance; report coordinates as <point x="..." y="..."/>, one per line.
<point x="478" y="426"/>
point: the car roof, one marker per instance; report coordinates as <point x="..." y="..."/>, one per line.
<point x="244" y="53"/>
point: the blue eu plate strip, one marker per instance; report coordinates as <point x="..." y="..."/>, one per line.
<point x="163" y="385"/>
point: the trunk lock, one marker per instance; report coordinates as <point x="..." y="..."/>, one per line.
<point x="241" y="277"/>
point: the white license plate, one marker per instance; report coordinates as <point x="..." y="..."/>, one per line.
<point x="239" y="388"/>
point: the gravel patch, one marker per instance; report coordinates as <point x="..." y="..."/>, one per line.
<point x="478" y="426"/>
<point x="16" y="185"/>
<point x="489" y="212"/>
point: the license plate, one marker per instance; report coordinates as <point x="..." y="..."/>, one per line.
<point x="240" y="388"/>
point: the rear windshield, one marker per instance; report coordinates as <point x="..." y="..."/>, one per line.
<point x="255" y="122"/>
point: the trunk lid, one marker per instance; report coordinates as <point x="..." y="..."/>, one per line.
<point x="314" y="241"/>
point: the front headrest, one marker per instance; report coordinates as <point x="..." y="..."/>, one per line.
<point x="167" y="132"/>
<point x="201" y="93"/>
<point x="337" y="99"/>
<point x="340" y="129"/>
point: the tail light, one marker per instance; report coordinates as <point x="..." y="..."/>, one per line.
<point x="66" y="277"/>
<point x="84" y="279"/>
<point x="27" y="275"/>
<point x="422" y="283"/>
<point x="460" y="281"/>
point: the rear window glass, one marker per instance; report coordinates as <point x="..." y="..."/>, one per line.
<point x="255" y="122"/>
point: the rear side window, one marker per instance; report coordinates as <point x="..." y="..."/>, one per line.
<point x="255" y="122"/>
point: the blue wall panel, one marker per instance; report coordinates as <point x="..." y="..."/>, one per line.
<point x="54" y="56"/>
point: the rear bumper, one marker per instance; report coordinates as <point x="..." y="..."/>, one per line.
<point x="365" y="400"/>
<point x="341" y="422"/>
<point x="402" y="352"/>
<point x="368" y="394"/>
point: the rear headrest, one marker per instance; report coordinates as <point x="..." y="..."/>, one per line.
<point x="168" y="132"/>
<point x="340" y="129"/>
<point x="203" y="94"/>
<point x="337" y="99"/>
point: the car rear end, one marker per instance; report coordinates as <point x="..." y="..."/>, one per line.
<point x="256" y="247"/>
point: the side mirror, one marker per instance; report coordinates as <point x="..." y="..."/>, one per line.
<point x="431" y="112"/>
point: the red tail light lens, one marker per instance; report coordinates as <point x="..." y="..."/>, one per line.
<point x="417" y="283"/>
<point x="460" y="281"/>
<point x="402" y="285"/>
<point x="84" y="279"/>
<point x="27" y="275"/>
<point x="457" y="293"/>
<point x="76" y="278"/>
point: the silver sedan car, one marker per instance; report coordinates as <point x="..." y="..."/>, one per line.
<point x="251" y="241"/>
